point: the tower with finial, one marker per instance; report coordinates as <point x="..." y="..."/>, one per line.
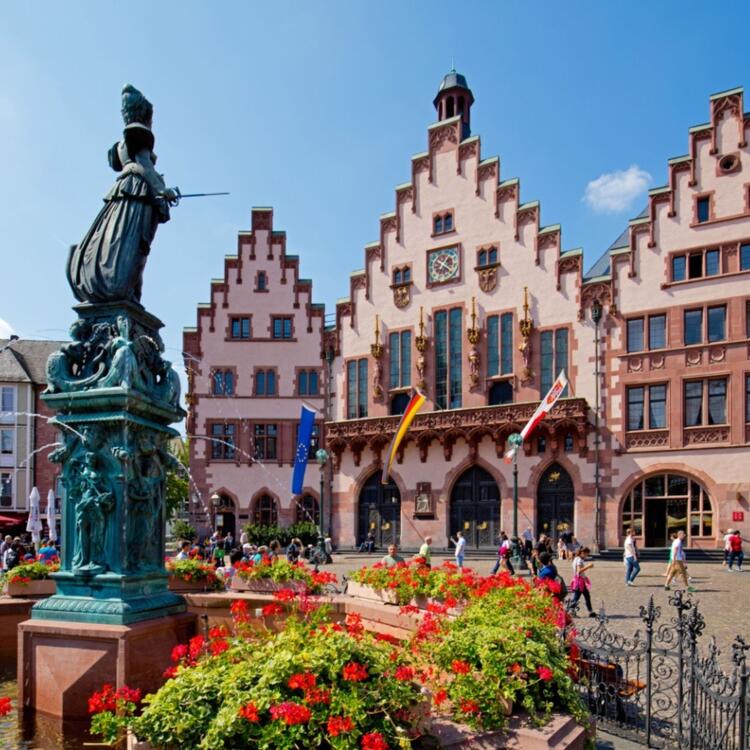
<point x="454" y="98"/>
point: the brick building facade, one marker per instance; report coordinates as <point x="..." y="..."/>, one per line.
<point x="469" y="297"/>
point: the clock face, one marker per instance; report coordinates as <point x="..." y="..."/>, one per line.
<point x="442" y="265"/>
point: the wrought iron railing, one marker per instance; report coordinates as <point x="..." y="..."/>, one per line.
<point x="657" y="687"/>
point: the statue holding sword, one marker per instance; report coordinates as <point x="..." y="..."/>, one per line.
<point x="107" y="265"/>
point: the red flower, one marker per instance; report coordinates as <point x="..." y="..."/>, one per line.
<point x="374" y="741"/>
<point x="302" y="681"/>
<point x="179" y="652"/>
<point x="291" y="713"/>
<point x="409" y="609"/>
<point x="516" y="668"/>
<point x="218" y="646"/>
<point x="249" y="712"/>
<point x="405" y="674"/>
<point x="218" y="631"/>
<point x="285" y="595"/>
<point x="469" y="707"/>
<point x="355" y="672"/>
<point x="354" y="624"/>
<point x="460" y="667"/>
<point x="272" y="609"/>
<point x="316" y="695"/>
<point x="440" y="697"/>
<point x="339" y="725"/>
<point x="5" y="706"/>
<point x="545" y="673"/>
<point x="239" y="610"/>
<point x="131" y="695"/>
<point x="437" y="609"/>
<point x="104" y="700"/>
<point x="169" y="673"/>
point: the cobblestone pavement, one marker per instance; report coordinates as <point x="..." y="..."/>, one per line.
<point x="721" y="596"/>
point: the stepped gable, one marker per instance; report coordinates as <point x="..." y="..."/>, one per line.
<point x="726" y="136"/>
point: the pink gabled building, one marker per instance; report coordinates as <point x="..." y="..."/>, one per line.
<point x="252" y="360"/>
<point x="469" y="297"/>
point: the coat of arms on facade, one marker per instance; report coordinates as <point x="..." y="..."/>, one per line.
<point x="402" y="295"/>
<point x="487" y="279"/>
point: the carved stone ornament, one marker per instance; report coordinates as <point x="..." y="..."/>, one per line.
<point x="488" y="279"/>
<point x="402" y="295"/>
<point x="474" y="365"/>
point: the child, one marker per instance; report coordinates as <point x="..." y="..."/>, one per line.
<point x="581" y="585"/>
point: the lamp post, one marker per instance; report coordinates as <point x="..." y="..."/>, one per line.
<point x="215" y="505"/>
<point x="515" y="440"/>
<point x="596" y="316"/>
<point x="321" y="456"/>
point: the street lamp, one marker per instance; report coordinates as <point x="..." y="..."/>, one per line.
<point x="596" y="316"/>
<point x="216" y="503"/>
<point x="321" y="456"/>
<point x="515" y="441"/>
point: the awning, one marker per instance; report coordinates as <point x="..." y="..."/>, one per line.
<point x="13" y="520"/>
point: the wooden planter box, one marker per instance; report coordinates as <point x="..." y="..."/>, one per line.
<point x="181" y="586"/>
<point x="40" y="587"/>
<point x="266" y="586"/>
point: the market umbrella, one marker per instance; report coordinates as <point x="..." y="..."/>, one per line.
<point x="34" y="524"/>
<point x="52" y="516"/>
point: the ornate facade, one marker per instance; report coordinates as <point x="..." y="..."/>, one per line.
<point x="469" y="297"/>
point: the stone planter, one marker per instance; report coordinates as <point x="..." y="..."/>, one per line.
<point x="40" y="587"/>
<point x="181" y="586"/>
<point x="363" y="591"/>
<point x="135" y="744"/>
<point x="266" y="585"/>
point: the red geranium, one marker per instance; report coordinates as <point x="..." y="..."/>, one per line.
<point x="460" y="667"/>
<point x="291" y="713"/>
<point x="316" y="696"/>
<point x="545" y="673"/>
<point x="405" y="674"/>
<point x="469" y="707"/>
<point x="374" y="741"/>
<point x="272" y="609"/>
<point x="5" y="706"/>
<point x="354" y="672"/>
<point x="302" y="681"/>
<point x="249" y="712"/>
<point x="339" y="725"/>
<point x="285" y="595"/>
<point x="440" y="697"/>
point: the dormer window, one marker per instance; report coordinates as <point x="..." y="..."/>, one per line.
<point x="442" y="223"/>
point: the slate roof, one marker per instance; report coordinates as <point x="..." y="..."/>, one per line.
<point x="25" y="361"/>
<point x="602" y="266"/>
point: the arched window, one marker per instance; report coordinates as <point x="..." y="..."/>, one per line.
<point x="438" y="225"/>
<point x="306" y="510"/>
<point x="447" y="222"/>
<point x="397" y="277"/>
<point x="407" y="274"/>
<point x="661" y="505"/>
<point x="482" y="258"/>
<point x="265" y="511"/>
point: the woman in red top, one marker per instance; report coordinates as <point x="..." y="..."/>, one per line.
<point x="735" y="551"/>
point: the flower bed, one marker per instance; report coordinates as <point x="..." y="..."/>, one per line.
<point x="192" y="575"/>
<point x="400" y="584"/>
<point x="332" y="685"/>
<point x="270" y="576"/>
<point x="31" y="579"/>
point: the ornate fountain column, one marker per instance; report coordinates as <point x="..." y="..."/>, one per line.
<point x="113" y="618"/>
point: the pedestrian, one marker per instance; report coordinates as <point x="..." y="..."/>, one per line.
<point x="294" y="550"/>
<point x="274" y="549"/>
<point x="184" y="553"/>
<point x="425" y="551"/>
<point x="460" y="543"/>
<point x="228" y="542"/>
<point x="672" y="537"/>
<point x="244" y="538"/>
<point x="727" y="546"/>
<point x="503" y="555"/>
<point x="500" y="552"/>
<point x="4" y="547"/>
<point x="630" y="558"/>
<point x="539" y="549"/>
<point x="13" y="556"/>
<point x="48" y="552"/>
<point x="392" y="558"/>
<point x="218" y="553"/>
<point x="678" y="566"/>
<point x="735" y="551"/>
<point x="562" y="552"/>
<point x="328" y="546"/>
<point x="581" y="585"/>
<point x="528" y="542"/>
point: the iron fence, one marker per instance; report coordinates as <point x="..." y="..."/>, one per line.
<point x="659" y="687"/>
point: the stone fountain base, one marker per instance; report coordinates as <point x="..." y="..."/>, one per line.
<point x="62" y="663"/>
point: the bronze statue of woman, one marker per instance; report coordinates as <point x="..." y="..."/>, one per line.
<point x="107" y="265"/>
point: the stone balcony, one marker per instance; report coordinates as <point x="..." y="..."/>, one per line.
<point x="569" y="416"/>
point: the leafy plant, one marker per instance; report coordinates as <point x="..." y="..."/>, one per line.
<point x="31" y="571"/>
<point x="183" y="530"/>
<point x="111" y="711"/>
<point x="258" y="534"/>
<point x="194" y="570"/>
<point x="177" y="489"/>
<point x="282" y="571"/>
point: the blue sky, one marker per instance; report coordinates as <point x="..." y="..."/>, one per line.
<point x="316" y="108"/>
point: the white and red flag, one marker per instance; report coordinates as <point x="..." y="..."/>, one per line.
<point x="544" y="408"/>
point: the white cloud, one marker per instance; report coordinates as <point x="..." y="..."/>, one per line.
<point x="5" y="329"/>
<point x="613" y="192"/>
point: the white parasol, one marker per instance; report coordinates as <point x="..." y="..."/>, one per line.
<point x="52" y="515"/>
<point x="34" y="524"/>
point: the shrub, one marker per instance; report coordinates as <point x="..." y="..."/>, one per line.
<point x="31" y="571"/>
<point x="183" y="530"/>
<point x="282" y="571"/>
<point x="258" y="534"/>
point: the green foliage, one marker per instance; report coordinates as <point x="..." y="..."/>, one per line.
<point x="282" y="571"/>
<point x="177" y="490"/>
<point x="201" y="707"/>
<point x="183" y="530"/>
<point x="194" y="570"/>
<point x="31" y="571"/>
<point x="306" y="531"/>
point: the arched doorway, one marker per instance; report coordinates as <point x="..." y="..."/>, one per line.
<point x="265" y="512"/>
<point x="663" y="504"/>
<point x="226" y="520"/>
<point x="555" y="502"/>
<point x="379" y="512"/>
<point x="475" y="508"/>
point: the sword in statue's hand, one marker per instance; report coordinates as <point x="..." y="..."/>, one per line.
<point x="174" y="196"/>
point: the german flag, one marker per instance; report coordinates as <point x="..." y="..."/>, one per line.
<point x="415" y="404"/>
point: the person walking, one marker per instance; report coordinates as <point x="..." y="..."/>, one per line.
<point x="727" y="546"/>
<point x="392" y="559"/>
<point x="460" y="543"/>
<point x="425" y="551"/>
<point x="581" y="585"/>
<point x="735" y="551"/>
<point x="678" y="565"/>
<point x="503" y="556"/>
<point x="632" y="566"/>
<point x="528" y="542"/>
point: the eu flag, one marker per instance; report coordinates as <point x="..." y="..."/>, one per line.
<point x="304" y="436"/>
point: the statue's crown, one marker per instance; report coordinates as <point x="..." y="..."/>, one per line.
<point x="135" y="107"/>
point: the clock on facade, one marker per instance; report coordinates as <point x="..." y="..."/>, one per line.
<point x="443" y="265"/>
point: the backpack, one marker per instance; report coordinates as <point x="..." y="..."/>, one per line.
<point x="563" y="587"/>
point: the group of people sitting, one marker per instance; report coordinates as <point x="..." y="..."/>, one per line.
<point x="15" y="551"/>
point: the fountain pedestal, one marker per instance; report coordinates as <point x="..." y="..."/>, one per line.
<point x="113" y="618"/>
